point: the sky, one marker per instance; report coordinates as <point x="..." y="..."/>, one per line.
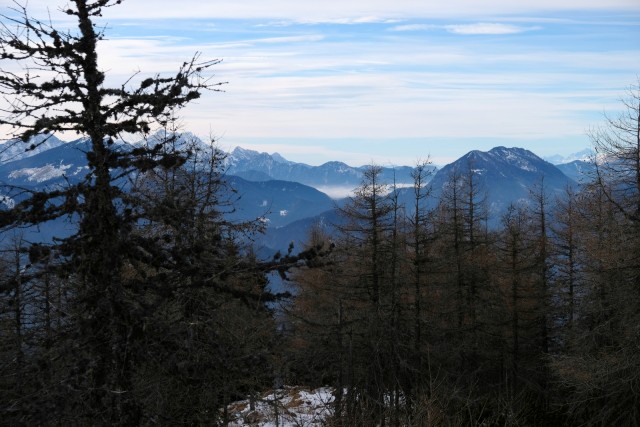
<point x="385" y="82"/>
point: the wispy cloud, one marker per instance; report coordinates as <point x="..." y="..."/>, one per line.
<point x="354" y="20"/>
<point x="484" y="28"/>
<point x="377" y="69"/>
<point x="412" y="27"/>
<point x="292" y="39"/>
<point x="481" y="28"/>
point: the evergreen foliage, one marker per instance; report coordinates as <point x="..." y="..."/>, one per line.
<point x="153" y="311"/>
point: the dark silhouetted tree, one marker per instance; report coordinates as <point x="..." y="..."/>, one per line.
<point x="61" y="88"/>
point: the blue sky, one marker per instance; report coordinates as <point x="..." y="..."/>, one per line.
<point x="388" y="82"/>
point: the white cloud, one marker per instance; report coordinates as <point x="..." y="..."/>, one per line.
<point x="290" y="39"/>
<point x="488" y="29"/>
<point x="412" y="27"/>
<point x="469" y="29"/>
<point x="347" y="20"/>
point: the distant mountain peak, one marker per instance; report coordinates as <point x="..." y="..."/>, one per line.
<point x="245" y="154"/>
<point x="183" y="140"/>
<point x="583" y="155"/>
<point x="505" y="174"/>
<point x="15" y="149"/>
<point x="509" y="150"/>
<point x="241" y="152"/>
<point x="260" y="166"/>
<point x="514" y="157"/>
<point x="511" y="153"/>
<point x="278" y="158"/>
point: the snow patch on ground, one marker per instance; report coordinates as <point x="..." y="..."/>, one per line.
<point x="286" y="407"/>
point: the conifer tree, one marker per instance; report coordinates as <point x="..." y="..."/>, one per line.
<point x="61" y="88"/>
<point x="601" y="366"/>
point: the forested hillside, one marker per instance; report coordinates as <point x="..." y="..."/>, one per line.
<point x="438" y="319"/>
<point x="418" y="311"/>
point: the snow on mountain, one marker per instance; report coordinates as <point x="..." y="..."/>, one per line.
<point x="66" y="160"/>
<point x="177" y="140"/>
<point x="41" y="174"/>
<point x="241" y="155"/>
<point x="583" y="155"/>
<point x="516" y="157"/>
<point x="241" y="160"/>
<point x="15" y="149"/>
<point x="333" y="177"/>
<point x="329" y="176"/>
<point x="280" y="191"/>
<point x="277" y="202"/>
<point x="278" y="158"/>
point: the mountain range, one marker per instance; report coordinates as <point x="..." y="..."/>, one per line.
<point x="330" y="177"/>
<point x="15" y="150"/>
<point x="583" y="155"/>
<point x="286" y="195"/>
<point x="501" y="176"/>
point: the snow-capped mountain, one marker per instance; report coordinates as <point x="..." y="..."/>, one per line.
<point x="505" y="175"/>
<point x="47" y="168"/>
<point x="276" y="203"/>
<point x="15" y="149"/>
<point x="176" y="140"/>
<point x="577" y="166"/>
<point x="281" y="193"/>
<point x="253" y="165"/>
<point x="583" y="155"/>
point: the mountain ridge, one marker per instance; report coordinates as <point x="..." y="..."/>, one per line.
<point x="506" y="175"/>
<point x="258" y="165"/>
<point x="15" y="149"/>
